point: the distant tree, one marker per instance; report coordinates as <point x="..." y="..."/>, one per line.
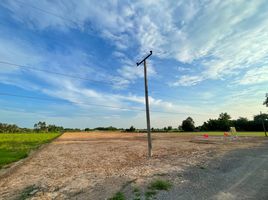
<point x="54" y="128"/>
<point x="266" y="100"/>
<point x="9" y="128"/>
<point x="169" y="128"/>
<point x="224" y="116"/>
<point x="40" y="126"/>
<point x="241" y="124"/>
<point x="242" y="119"/>
<point x="109" y="128"/>
<point x="180" y="128"/>
<point x="224" y="122"/>
<point x="188" y="124"/>
<point x="260" y="117"/>
<point x="131" y="129"/>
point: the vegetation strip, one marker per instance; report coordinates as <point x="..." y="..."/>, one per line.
<point x="16" y="146"/>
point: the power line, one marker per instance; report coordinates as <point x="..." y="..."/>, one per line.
<point x="66" y="19"/>
<point x="71" y="76"/>
<point x="54" y="114"/>
<point x="61" y="74"/>
<point x="52" y="13"/>
<point x="60" y="42"/>
<point x="51" y="72"/>
<point x="91" y="104"/>
<point x="78" y="103"/>
<point x="76" y="23"/>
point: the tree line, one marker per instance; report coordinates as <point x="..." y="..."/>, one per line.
<point x="224" y="122"/>
<point x="38" y="127"/>
<point x="43" y="127"/>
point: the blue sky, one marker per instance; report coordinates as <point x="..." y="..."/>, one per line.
<point x="208" y="57"/>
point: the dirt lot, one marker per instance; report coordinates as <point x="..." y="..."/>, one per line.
<point x="95" y="165"/>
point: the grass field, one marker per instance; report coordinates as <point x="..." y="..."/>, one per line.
<point x="222" y="133"/>
<point x="16" y="146"/>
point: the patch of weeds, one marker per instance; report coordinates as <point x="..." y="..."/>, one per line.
<point x="180" y="175"/>
<point x="149" y="194"/>
<point x="201" y="166"/>
<point x="118" y="196"/>
<point x="156" y="185"/>
<point x="137" y="193"/>
<point x="28" y="192"/>
<point x="136" y="190"/>
<point x="160" y="185"/>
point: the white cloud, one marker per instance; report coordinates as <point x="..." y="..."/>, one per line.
<point x="227" y="38"/>
<point x="183" y="69"/>
<point x="185" y="30"/>
<point x="22" y="51"/>
<point x="222" y="38"/>
<point x="254" y="76"/>
<point x="129" y="74"/>
<point x="187" y="80"/>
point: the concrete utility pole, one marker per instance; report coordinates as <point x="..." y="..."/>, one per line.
<point x="147" y="105"/>
<point x="263" y="125"/>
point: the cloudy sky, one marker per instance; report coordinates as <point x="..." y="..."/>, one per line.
<point x="72" y="63"/>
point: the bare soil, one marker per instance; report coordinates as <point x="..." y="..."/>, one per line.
<point x="95" y="165"/>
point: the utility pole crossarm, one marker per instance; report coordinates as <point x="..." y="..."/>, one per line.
<point x="147" y="104"/>
<point x="138" y="63"/>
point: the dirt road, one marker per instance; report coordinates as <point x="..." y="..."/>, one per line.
<point x="95" y="165"/>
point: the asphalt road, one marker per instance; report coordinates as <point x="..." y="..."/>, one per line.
<point x="240" y="174"/>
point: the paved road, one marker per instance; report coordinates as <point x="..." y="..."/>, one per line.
<point x="241" y="174"/>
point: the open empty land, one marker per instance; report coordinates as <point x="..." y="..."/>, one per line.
<point x="96" y="165"/>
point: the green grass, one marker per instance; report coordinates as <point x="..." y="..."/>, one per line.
<point x="160" y="185"/>
<point x="137" y="193"/>
<point x="28" y="192"/>
<point x="118" y="196"/>
<point x="155" y="186"/>
<point x="15" y="146"/>
<point x="216" y="133"/>
<point x="150" y="194"/>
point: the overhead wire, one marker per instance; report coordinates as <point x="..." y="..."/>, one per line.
<point x="110" y="83"/>
<point x="92" y="104"/>
<point x="51" y="13"/>
<point x="56" y="114"/>
<point x="63" y="74"/>
<point x="26" y="67"/>
<point x="74" y="22"/>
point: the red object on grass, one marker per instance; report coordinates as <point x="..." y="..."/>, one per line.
<point x="226" y="134"/>
<point x="205" y="135"/>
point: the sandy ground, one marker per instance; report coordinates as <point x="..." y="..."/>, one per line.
<point x="95" y="165"/>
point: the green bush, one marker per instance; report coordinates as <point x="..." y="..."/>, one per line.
<point x="118" y="196"/>
<point x="160" y="185"/>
